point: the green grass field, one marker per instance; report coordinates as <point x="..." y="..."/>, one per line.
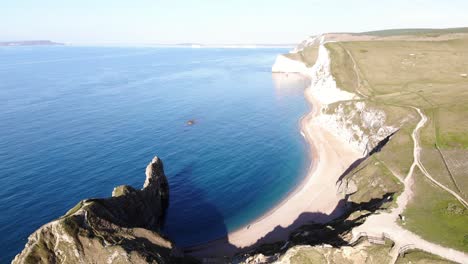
<point x="436" y="215"/>
<point x="413" y="31"/>
<point x="308" y="56"/>
<point x="421" y="257"/>
<point x="395" y="76"/>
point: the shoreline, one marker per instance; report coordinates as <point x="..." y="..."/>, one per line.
<point x="199" y="248"/>
<point x="311" y="153"/>
<point x="315" y="198"/>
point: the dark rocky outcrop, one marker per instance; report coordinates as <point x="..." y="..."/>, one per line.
<point x="120" y="229"/>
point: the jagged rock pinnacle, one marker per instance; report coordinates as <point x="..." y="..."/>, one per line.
<point x="119" y="229"/>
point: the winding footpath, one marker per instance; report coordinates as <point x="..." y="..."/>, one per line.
<point x="424" y="171"/>
<point x="417" y="148"/>
<point x="385" y="225"/>
<point x="357" y="72"/>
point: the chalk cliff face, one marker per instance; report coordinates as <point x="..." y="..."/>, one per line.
<point x="120" y="229"/>
<point x="355" y="123"/>
<point x="287" y="65"/>
<point x="309" y="41"/>
<point x="361" y="126"/>
<point x="323" y="86"/>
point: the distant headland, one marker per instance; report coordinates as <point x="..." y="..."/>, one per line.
<point x="30" y="43"/>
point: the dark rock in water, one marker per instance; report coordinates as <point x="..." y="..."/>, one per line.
<point x="191" y="122"/>
<point x="120" y="229"/>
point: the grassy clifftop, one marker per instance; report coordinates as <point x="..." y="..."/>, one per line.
<point x="397" y="75"/>
<point x="414" y="31"/>
<point x="400" y="72"/>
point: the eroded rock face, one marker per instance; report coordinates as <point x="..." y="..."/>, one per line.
<point x="358" y="124"/>
<point x="120" y="229"/>
<point x="361" y="253"/>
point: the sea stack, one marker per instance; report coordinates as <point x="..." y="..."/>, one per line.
<point x="119" y="229"/>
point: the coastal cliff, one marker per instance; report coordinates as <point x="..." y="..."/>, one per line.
<point x="363" y="128"/>
<point x="355" y="122"/>
<point x="287" y="65"/>
<point x="358" y="87"/>
<point x="120" y="229"/>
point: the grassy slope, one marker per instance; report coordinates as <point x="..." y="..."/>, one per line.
<point x="396" y="75"/>
<point x="375" y="174"/>
<point x="373" y="254"/>
<point x="413" y="31"/>
<point x="308" y="56"/>
<point x="420" y="257"/>
<point x="436" y="215"/>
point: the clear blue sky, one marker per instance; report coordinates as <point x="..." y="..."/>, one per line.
<point x="215" y="21"/>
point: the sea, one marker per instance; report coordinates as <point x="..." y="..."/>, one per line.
<point x="77" y="121"/>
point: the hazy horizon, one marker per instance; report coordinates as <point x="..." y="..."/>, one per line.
<point x="214" y="22"/>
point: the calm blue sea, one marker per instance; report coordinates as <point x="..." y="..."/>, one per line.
<point x="77" y="121"/>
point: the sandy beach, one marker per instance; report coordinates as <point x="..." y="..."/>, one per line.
<point x="315" y="199"/>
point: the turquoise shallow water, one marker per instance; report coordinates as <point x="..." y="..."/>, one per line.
<point x="77" y="121"/>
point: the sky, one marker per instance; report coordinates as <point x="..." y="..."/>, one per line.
<point x="216" y="21"/>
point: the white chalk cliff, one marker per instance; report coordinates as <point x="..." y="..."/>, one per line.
<point x="287" y="65"/>
<point x="355" y="123"/>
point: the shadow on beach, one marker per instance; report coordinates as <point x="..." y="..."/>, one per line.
<point x="312" y="228"/>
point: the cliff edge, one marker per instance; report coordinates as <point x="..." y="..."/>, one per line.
<point x="120" y="229"/>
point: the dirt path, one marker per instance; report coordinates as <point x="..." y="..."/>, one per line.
<point x="357" y="72"/>
<point x="385" y="224"/>
<point x="417" y="148"/>
<point x="424" y="171"/>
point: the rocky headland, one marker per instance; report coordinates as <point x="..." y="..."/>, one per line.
<point x="123" y="228"/>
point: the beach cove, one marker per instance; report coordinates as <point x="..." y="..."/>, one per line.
<point x="88" y="119"/>
<point x="316" y="198"/>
